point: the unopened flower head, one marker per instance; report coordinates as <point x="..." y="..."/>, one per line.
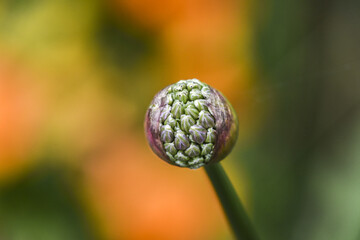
<point x="190" y="124"/>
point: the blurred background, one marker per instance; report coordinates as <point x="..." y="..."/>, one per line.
<point x="77" y="76"/>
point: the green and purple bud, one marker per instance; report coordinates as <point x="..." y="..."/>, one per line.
<point x="190" y="124"/>
<point x="197" y="134"/>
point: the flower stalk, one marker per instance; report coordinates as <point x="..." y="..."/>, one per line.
<point x="231" y="204"/>
<point x="189" y="124"/>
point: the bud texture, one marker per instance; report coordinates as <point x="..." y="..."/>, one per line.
<point x="190" y="124"/>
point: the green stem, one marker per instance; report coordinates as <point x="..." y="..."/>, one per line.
<point x="232" y="206"/>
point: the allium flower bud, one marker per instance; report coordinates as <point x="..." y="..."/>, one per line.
<point x="190" y="124"/>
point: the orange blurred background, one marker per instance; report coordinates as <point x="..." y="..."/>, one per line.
<point x="76" y="78"/>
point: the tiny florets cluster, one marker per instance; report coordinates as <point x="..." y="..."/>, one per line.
<point x="191" y="124"/>
<point x="187" y="127"/>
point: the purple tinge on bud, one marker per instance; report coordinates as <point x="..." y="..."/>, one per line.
<point x="181" y="140"/>
<point x="193" y="150"/>
<point x="167" y="134"/>
<point x="210" y="136"/>
<point x="190" y="124"/>
<point x="206" y="119"/>
<point x="198" y="133"/>
<point x="165" y="113"/>
<point x="186" y="122"/>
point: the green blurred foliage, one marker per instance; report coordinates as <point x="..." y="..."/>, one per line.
<point x="304" y="165"/>
<point x="43" y="205"/>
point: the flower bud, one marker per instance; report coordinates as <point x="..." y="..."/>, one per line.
<point x="187" y="122"/>
<point x="181" y="140"/>
<point x="190" y="124"/>
<point x="206" y="119"/>
<point x="198" y="134"/>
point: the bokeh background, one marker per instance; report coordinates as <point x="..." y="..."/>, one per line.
<point x="77" y="76"/>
